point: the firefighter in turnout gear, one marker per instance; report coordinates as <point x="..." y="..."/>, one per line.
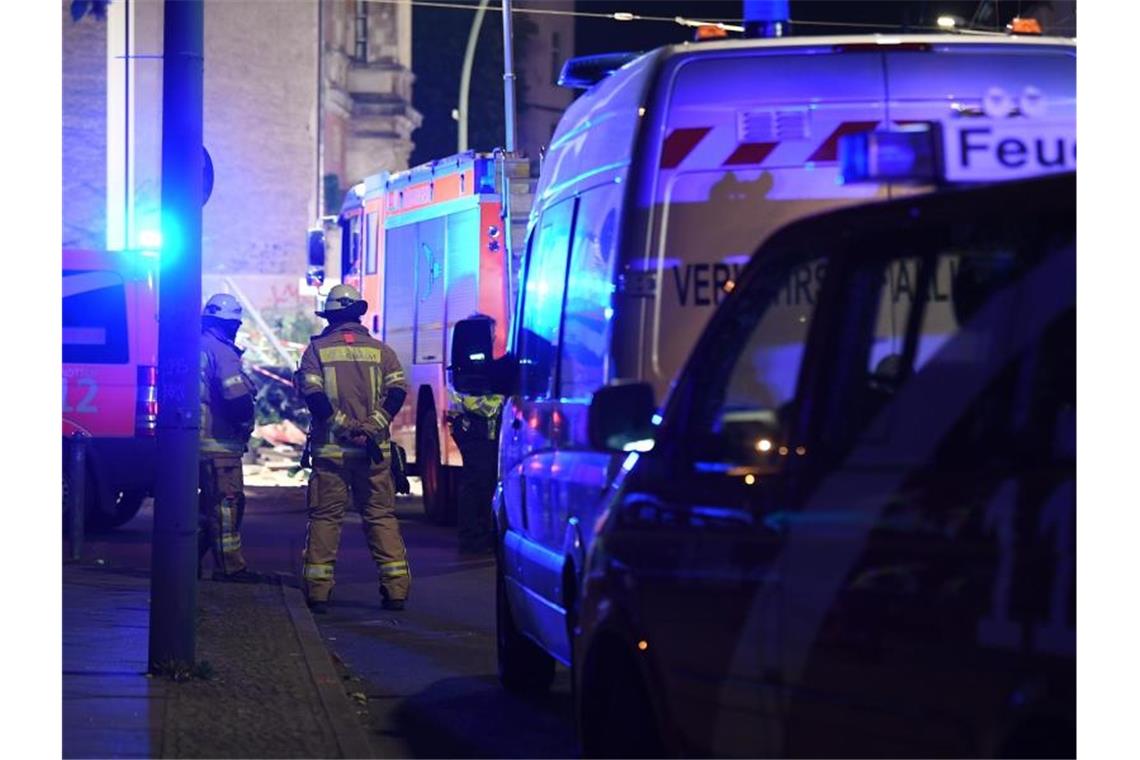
<point x="227" y="416"/>
<point x="474" y="421"/>
<point x="354" y="385"/>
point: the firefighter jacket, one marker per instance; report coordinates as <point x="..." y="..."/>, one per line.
<point x="355" y="371"/>
<point x="225" y="422"/>
<point x="477" y="416"/>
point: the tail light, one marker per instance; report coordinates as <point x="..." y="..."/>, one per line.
<point x="146" y="401"/>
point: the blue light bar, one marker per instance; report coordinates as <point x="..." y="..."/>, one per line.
<point x="906" y="154"/>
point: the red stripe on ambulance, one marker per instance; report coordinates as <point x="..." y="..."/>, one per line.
<point x="750" y="153"/>
<point x="679" y="144"/>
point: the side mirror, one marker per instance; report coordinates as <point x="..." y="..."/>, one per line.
<point x="474" y="370"/>
<point x="621" y="417"/>
<point x="315" y="272"/>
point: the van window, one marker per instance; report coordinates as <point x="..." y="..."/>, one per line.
<point x="750" y="386"/>
<point x="952" y="327"/>
<point x="94" y="318"/>
<point x="589" y="296"/>
<point x="542" y="300"/>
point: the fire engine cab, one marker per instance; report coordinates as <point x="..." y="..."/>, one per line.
<point x="426" y="248"/>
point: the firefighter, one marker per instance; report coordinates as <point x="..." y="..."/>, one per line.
<point x="227" y="416"/>
<point x="354" y="385"/>
<point x="474" y="421"/>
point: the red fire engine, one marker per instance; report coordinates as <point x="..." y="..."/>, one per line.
<point x="426" y="248"/>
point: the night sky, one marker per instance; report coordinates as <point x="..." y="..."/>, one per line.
<point x="440" y="34"/>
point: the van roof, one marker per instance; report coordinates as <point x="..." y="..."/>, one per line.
<point x="886" y="40"/>
<point x="829" y="43"/>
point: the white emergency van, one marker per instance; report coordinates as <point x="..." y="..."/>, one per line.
<point x="660" y="182"/>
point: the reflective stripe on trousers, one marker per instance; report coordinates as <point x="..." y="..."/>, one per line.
<point x="319" y="571"/>
<point x="397" y="569"/>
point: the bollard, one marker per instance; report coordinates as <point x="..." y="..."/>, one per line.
<point x="78" y="465"/>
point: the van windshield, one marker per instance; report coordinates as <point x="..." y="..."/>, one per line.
<point x="94" y="318"/>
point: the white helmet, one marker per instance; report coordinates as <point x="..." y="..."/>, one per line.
<point x="343" y="298"/>
<point x="222" y="306"/>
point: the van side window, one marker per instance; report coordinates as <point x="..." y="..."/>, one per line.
<point x="942" y="320"/>
<point x="589" y="296"/>
<point x="542" y="300"/>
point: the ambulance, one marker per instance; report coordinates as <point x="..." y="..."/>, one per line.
<point x="110" y="379"/>
<point x="427" y="247"/>
<point x="660" y="182"/>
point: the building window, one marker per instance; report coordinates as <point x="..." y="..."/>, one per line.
<point x="361" y="28"/>
<point x="555" y="57"/>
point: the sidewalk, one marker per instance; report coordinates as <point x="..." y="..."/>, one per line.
<point x="273" y="691"/>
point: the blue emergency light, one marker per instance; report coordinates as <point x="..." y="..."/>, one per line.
<point x="904" y="154"/>
<point x="150" y="241"/>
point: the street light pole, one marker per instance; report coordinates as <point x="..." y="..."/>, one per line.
<point x="465" y="73"/>
<point x="508" y="77"/>
<point x="174" y="545"/>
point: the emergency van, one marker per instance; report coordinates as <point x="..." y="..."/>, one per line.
<point x="426" y="248"/>
<point x="660" y="182"/>
<point x="110" y="379"/>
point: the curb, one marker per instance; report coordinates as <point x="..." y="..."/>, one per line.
<point x="350" y="734"/>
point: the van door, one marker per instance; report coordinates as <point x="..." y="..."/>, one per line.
<point x="532" y="434"/>
<point x="708" y="529"/>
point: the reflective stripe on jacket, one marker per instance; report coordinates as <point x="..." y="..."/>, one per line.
<point x="355" y="371"/>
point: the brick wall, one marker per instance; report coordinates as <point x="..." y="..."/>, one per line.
<point x="260" y="129"/>
<point x="84" y="131"/>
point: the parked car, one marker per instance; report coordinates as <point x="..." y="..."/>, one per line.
<point x="850" y="531"/>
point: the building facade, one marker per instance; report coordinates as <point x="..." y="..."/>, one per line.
<point x="539" y="60"/>
<point x="294" y="92"/>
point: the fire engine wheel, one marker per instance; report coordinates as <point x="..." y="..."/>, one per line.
<point x="127" y="505"/>
<point x="523" y="667"/>
<point x="432" y="472"/>
<point x="103" y="508"/>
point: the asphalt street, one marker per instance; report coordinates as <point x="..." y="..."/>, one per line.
<point x="426" y="675"/>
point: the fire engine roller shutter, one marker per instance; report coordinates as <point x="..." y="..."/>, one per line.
<point x="430" y="254"/>
<point x="400" y="290"/>
<point x="462" y="265"/>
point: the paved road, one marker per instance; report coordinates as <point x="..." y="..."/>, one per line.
<point x="429" y="672"/>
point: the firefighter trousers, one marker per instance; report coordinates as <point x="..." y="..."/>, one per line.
<point x="374" y="497"/>
<point x="221" y="505"/>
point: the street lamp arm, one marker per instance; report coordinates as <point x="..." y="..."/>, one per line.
<point x="465" y="74"/>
